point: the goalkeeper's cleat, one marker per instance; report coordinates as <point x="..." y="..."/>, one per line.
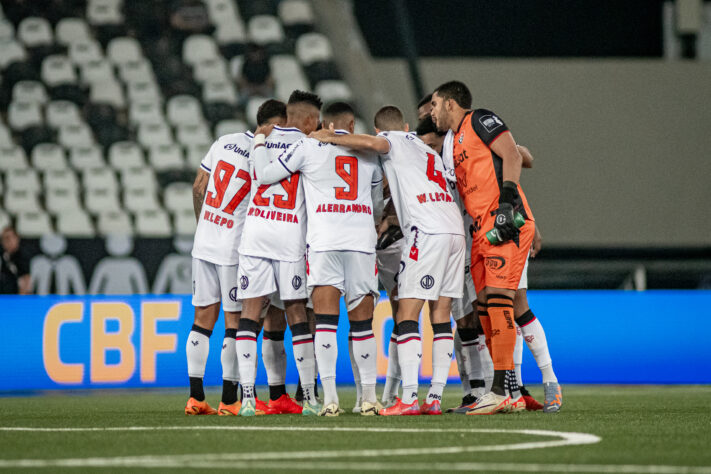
<point x="227" y="410"/>
<point x="467" y="400"/>
<point x="284" y="405"/>
<point x="553" y="397"/>
<point x="434" y="408"/>
<point x="490" y="403"/>
<point x="400" y="409"/>
<point x="330" y="410"/>
<point x="532" y="404"/>
<point x="518" y="405"/>
<point x="260" y="407"/>
<point x="195" y="407"/>
<point x="248" y="407"/>
<point x="369" y="409"/>
<point x="311" y="410"/>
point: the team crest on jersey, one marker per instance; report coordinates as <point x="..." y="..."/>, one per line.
<point x="233" y="293"/>
<point x="495" y="263"/>
<point x="427" y="282"/>
<point x="296" y="282"/>
<point x="490" y="122"/>
<point x="244" y="282"/>
<point x="461" y="138"/>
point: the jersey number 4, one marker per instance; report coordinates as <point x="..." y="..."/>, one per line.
<point x="433" y="174"/>
<point x="221" y="177"/>
<point x="350" y="176"/>
<point x="290" y="185"/>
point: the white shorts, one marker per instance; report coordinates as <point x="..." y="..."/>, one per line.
<point x="389" y="264"/>
<point x="259" y="276"/>
<point x="213" y="283"/>
<point x="353" y="273"/>
<point x="463" y="306"/>
<point x="432" y="265"/>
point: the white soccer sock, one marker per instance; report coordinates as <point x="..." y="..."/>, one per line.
<point x="392" y="379"/>
<point x="518" y="356"/>
<point x="274" y="357"/>
<point x="487" y="365"/>
<point x="326" y="349"/>
<point x="303" y="345"/>
<point x="228" y="356"/>
<point x="246" y="348"/>
<point x="409" y="352"/>
<point x="356" y="372"/>
<point x="442" y="348"/>
<point x="470" y="346"/>
<point x="365" y="355"/>
<point x="462" y="363"/>
<point x="197" y="349"/>
<point x="535" y="338"/>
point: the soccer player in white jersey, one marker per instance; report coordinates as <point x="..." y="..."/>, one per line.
<point x="220" y="196"/>
<point x="338" y="183"/>
<point x="432" y="264"/>
<point x="272" y="259"/>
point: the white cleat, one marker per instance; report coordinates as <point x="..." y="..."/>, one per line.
<point x="330" y="410"/>
<point x="491" y="403"/>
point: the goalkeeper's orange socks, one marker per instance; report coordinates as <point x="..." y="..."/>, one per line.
<point x="503" y="338"/>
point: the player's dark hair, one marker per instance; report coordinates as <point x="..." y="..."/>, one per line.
<point x="303" y="97"/>
<point x="389" y="118"/>
<point x="425" y="100"/>
<point x="426" y="126"/>
<point x="337" y="108"/>
<point x="270" y="109"/>
<point x="456" y="90"/>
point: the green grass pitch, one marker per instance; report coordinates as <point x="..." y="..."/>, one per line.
<point x="641" y="429"/>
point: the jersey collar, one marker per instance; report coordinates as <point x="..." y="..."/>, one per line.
<point x="249" y="134"/>
<point x="286" y="129"/>
<point x="338" y="131"/>
<point x="459" y="127"/>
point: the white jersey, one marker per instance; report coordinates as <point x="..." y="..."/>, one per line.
<point x="275" y="226"/>
<point x="337" y="184"/>
<point x="448" y="161"/>
<point x="220" y="225"/>
<point x="418" y="186"/>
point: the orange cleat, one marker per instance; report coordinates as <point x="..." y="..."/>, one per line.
<point x="532" y="404"/>
<point x="195" y="407"/>
<point x="433" y="408"/>
<point x="400" y="409"/>
<point x="227" y="410"/>
<point x="518" y="405"/>
<point x="284" y="405"/>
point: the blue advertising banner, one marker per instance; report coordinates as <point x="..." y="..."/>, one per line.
<point x="52" y="342"/>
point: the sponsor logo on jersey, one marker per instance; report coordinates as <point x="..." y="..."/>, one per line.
<point x="278" y="145"/>
<point x="296" y="282"/>
<point x="235" y="148"/>
<point x="233" y="293"/>
<point x="495" y="263"/>
<point x="427" y="282"/>
<point x="243" y="282"/>
<point x="490" y="122"/>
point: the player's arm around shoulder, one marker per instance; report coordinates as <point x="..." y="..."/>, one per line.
<point x="361" y="142"/>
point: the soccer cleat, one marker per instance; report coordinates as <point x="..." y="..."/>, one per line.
<point x="356" y="407"/>
<point x="311" y="410"/>
<point x="248" y="407"/>
<point x="466" y="401"/>
<point x="330" y="410"/>
<point x="195" y="407"/>
<point x="489" y="404"/>
<point x="260" y="407"/>
<point x="284" y="405"/>
<point x="518" y="405"/>
<point x="227" y="410"/>
<point x="553" y="397"/>
<point x="433" y="408"/>
<point x="400" y="409"/>
<point x="390" y="402"/>
<point x="532" y="404"/>
<point x="369" y="409"/>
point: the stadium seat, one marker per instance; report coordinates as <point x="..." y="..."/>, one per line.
<point x="107" y="92"/>
<point x="33" y="224"/>
<point x="34" y="135"/>
<point x="60" y="179"/>
<point x="62" y="112"/>
<point x="226" y="127"/>
<point x="189" y="134"/>
<point x="178" y="197"/>
<point x="98" y="201"/>
<point x="81" y="52"/>
<point x="194" y="154"/>
<point x="153" y="223"/>
<point x="264" y="30"/>
<point x="137" y="71"/>
<point x="145" y="112"/>
<point x="13" y="157"/>
<point x="114" y="222"/>
<point x="21" y="115"/>
<point x="184" y="109"/>
<point x="20" y="179"/>
<point x="313" y="47"/>
<point x="75" y="135"/>
<point x="58" y="200"/>
<point x="97" y="71"/>
<point x="252" y="108"/>
<point x="75" y="224"/>
<point x="288" y="76"/>
<point x="144" y="91"/>
<point x="217" y="111"/>
<point x="199" y="47"/>
<point x="214" y="69"/>
<point x="295" y="12"/>
<point x="86" y="157"/>
<point x="230" y="31"/>
<point x="150" y="134"/>
<point x="48" y="156"/>
<point x="125" y="155"/>
<point x="222" y="91"/>
<point x="57" y="69"/>
<point x="99" y="178"/>
<point x="16" y="72"/>
<point x="124" y="50"/>
<point x="221" y="11"/>
<point x="70" y="30"/>
<point x="11" y="51"/>
<point x="21" y="200"/>
<point x="29" y="91"/>
<point x="5" y="136"/>
<point x="104" y="13"/>
<point x="100" y="116"/>
<point x="137" y="200"/>
<point x="7" y="30"/>
<point x="35" y="32"/>
<point x="4" y="219"/>
<point x="138" y="178"/>
<point x="184" y="222"/>
<point x="70" y="92"/>
<point x="331" y="91"/>
<point x="166" y="157"/>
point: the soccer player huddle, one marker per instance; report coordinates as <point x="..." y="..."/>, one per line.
<point x="304" y="211"/>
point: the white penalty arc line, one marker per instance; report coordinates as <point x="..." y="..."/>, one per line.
<point x="564" y="439"/>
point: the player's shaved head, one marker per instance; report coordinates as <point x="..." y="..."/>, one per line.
<point x="340" y="114"/>
<point x="302" y="111"/>
<point x="456" y="91"/>
<point x="389" y="118"/>
<point x="271" y="111"/>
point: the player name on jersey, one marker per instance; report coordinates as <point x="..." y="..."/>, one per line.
<point x="345" y="208"/>
<point x="434" y="197"/>
<point x="274" y="215"/>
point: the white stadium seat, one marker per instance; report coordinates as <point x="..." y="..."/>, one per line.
<point x="223" y="91"/>
<point x="81" y="52"/>
<point x="151" y="134"/>
<point x="86" y="157"/>
<point x="100" y="70"/>
<point x="21" y="200"/>
<point x="114" y="222"/>
<point x="13" y="157"/>
<point x="137" y="200"/>
<point x="199" y="47"/>
<point x="124" y="50"/>
<point x="75" y="135"/>
<point x="144" y="91"/>
<point x="75" y="224"/>
<point x="5" y="136"/>
<point x="125" y="155"/>
<point x="58" y="200"/>
<point x="265" y="29"/>
<point x="166" y="157"/>
<point x="189" y="134"/>
<point x="288" y="75"/>
<point x="57" y="69"/>
<point x="104" y="13"/>
<point x="194" y="153"/>
<point x="295" y="12"/>
<point x="101" y="200"/>
<point x="153" y="223"/>
<point x="99" y="178"/>
<point x="136" y="71"/>
<point x="11" y="51"/>
<point x="70" y="30"/>
<point x="60" y="179"/>
<point x="331" y="91"/>
<point x="221" y="10"/>
<point x="139" y="179"/>
<point x="7" y="30"/>
<point x="214" y="69"/>
<point x="4" y="219"/>
<point x="33" y="224"/>
<point x="107" y="92"/>
<point x="230" y="31"/>
<point x="35" y="31"/>
<point x="184" y="222"/>
<point x="48" y="156"/>
<point x="29" y="91"/>
<point x="145" y="112"/>
<point x="22" y="179"/>
<point x="313" y="47"/>
<point x="184" y="109"/>
<point x="252" y="107"/>
<point x="178" y="196"/>
<point x="21" y="115"/>
<point x="226" y="127"/>
<point x="62" y="112"/>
